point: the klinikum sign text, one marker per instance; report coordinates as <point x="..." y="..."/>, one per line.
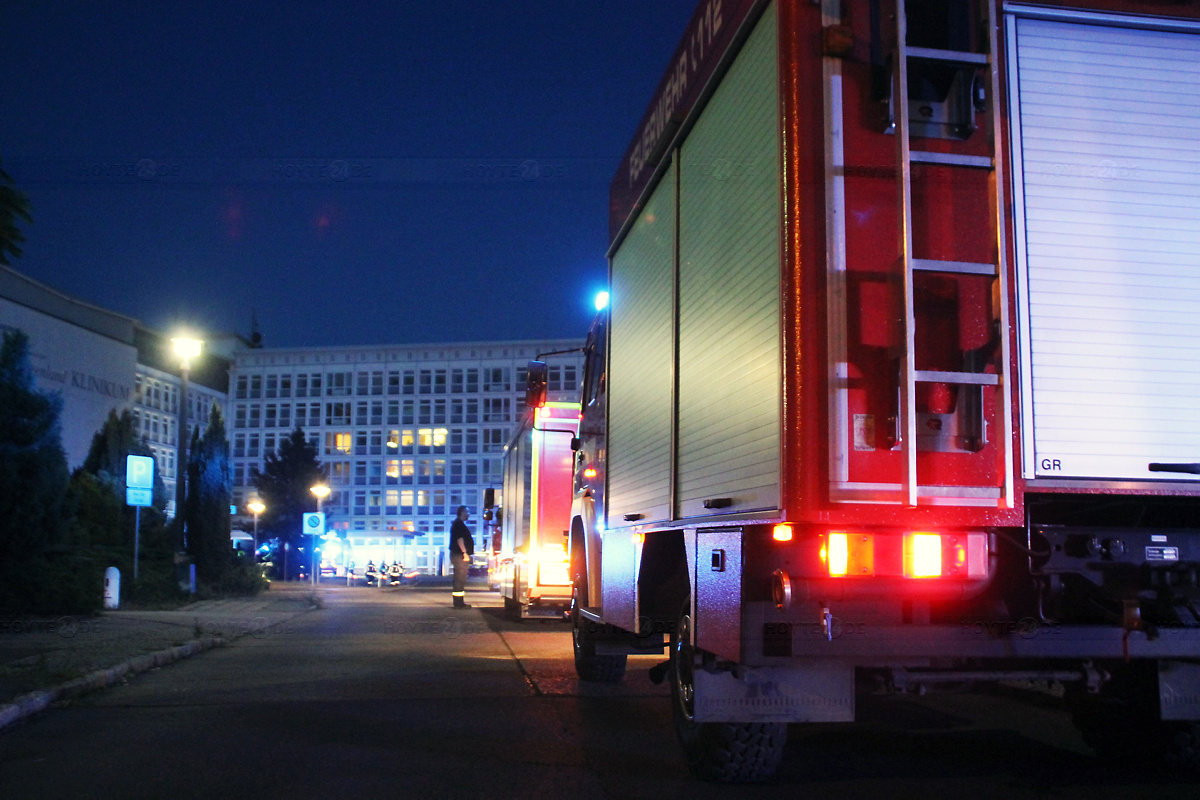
<point x="91" y="383"/>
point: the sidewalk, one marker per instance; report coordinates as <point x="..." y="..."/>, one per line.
<point x="43" y="661"/>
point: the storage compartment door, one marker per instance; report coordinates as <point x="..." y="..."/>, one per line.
<point x="1106" y="135"/>
<point x="729" y="232"/>
<point x="642" y="367"/>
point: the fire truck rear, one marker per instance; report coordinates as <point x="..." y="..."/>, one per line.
<point x="535" y="510"/>
<point x="899" y="382"/>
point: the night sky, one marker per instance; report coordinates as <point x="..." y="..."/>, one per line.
<point x="368" y="173"/>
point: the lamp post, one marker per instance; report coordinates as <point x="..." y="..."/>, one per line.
<point x="321" y="491"/>
<point x="186" y="349"/>
<point x="256" y="507"/>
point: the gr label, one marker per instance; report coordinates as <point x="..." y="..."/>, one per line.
<point x="1051" y="465"/>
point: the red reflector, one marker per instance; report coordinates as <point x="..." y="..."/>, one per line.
<point x="977" y="555"/>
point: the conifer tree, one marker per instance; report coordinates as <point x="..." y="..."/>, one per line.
<point x="209" y="492"/>
<point x="108" y="455"/>
<point x="14" y="207"/>
<point x="33" y="475"/>
<point x="284" y="485"/>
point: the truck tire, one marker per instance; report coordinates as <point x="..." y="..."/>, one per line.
<point x="1121" y="724"/>
<point x="723" y="752"/>
<point x="590" y="666"/>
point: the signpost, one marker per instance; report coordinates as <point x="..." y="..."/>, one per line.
<point x="139" y="491"/>
<point x="314" y="526"/>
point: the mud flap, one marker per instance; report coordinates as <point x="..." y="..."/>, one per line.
<point x="819" y="692"/>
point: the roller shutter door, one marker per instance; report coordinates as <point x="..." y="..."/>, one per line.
<point x="1106" y="150"/>
<point x="729" y="262"/>
<point x="642" y="369"/>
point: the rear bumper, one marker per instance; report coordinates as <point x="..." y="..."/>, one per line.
<point x="771" y="637"/>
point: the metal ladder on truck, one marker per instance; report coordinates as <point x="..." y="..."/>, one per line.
<point x="997" y="384"/>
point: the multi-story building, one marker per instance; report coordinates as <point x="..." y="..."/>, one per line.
<point x="97" y="361"/>
<point x="406" y="434"/>
<point x="155" y="402"/>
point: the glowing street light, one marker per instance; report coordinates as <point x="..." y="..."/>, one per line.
<point x="186" y="349"/>
<point x="256" y="507"/>
<point x="601" y="300"/>
<point x="321" y="491"/>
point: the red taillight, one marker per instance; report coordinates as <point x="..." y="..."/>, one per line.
<point x="923" y="555"/>
<point x="849" y="554"/>
<point x="837" y="554"/>
<point x="916" y="555"/>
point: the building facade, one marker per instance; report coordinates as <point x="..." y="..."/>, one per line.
<point x="98" y="361"/>
<point x="406" y="434"/>
<point x="156" y="417"/>
<point x="157" y="388"/>
<point x="83" y="354"/>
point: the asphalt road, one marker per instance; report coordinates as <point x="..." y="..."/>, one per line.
<point x="393" y="694"/>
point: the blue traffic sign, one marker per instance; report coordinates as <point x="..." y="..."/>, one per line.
<point x="139" y="497"/>
<point x="139" y="472"/>
<point x="314" y="524"/>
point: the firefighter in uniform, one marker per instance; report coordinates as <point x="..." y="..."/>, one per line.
<point x="462" y="545"/>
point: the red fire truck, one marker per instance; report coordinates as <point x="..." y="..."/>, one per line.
<point x="899" y="384"/>
<point x="536" y="512"/>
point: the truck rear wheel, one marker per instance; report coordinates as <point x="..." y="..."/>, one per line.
<point x="1122" y="724"/>
<point x="725" y="752"/>
<point x="589" y="665"/>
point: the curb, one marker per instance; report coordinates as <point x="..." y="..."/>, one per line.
<point x="29" y="704"/>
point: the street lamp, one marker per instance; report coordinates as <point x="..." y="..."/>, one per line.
<point x="321" y="491"/>
<point x="186" y="349"/>
<point x="256" y="507"/>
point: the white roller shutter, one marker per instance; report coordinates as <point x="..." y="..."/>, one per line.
<point x="729" y="263"/>
<point x="1106" y="153"/>
<point x="641" y="369"/>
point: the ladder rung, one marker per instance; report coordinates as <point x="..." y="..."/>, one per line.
<point x="948" y="56"/>
<point x="963" y="492"/>
<point x="957" y="267"/>
<point x="951" y="159"/>
<point x="964" y="378"/>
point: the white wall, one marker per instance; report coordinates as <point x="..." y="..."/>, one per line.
<point x="93" y="373"/>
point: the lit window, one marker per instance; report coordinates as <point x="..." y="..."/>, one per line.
<point x="338" y="443"/>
